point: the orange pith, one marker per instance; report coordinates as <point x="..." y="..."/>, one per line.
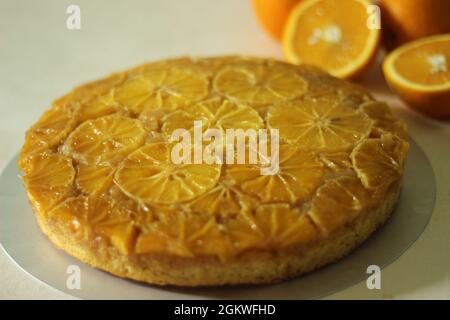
<point x="99" y="164"/>
<point x="324" y="33"/>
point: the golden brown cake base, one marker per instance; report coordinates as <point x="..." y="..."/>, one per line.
<point x="250" y="268"/>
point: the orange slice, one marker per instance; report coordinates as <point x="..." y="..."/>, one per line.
<point x="420" y="73"/>
<point x="337" y="202"/>
<point x="384" y="120"/>
<point x="105" y="140"/>
<point x="336" y="160"/>
<point x="213" y="114"/>
<point x="225" y="199"/>
<point x="84" y="215"/>
<point x="331" y="34"/>
<point x="315" y="124"/>
<point x="48" y="178"/>
<point x="98" y="107"/>
<point x="162" y="88"/>
<point x="283" y="225"/>
<point x="300" y="172"/>
<point x="51" y="129"/>
<point x="271" y="225"/>
<point x="149" y="175"/>
<point x="379" y="162"/>
<point x="184" y="235"/>
<point x="88" y="92"/>
<point x="94" y="179"/>
<point x="257" y="84"/>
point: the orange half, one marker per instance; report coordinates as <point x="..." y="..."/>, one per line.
<point x="333" y="35"/>
<point x="420" y="74"/>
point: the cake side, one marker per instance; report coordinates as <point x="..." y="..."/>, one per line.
<point x="253" y="267"/>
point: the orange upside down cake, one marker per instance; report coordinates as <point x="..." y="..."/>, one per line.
<point x="98" y="172"/>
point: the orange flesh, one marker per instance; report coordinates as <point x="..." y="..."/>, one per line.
<point x="414" y="64"/>
<point x="327" y="54"/>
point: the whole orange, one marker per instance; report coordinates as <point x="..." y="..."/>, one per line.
<point x="407" y="20"/>
<point x="272" y="14"/>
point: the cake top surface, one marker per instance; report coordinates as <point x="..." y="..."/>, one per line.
<point x="102" y="159"/>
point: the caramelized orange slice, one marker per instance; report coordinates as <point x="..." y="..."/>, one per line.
<point x="215" y="114"/>
<point x="337" y="202"/>
<point x="319" y="124"/>
<point x="98" y="107"/>
<point x="379" y="162"/>
<point x="162" y="88"/>
<point x="48" y="178"/>
<point x="105" y="140"/>
<point x="223" y="200"/>
<point x="299" y="174"/>
<point x="271" y="226"/>
<point x="86" y="216"/>
<point x="149" y="175"/>
<point x="49" y="131"/>
<point x="184" y="235"/>
<point x="384" y="120"/>
<point x="94" y="179"/>
<point x="256" y="84"/>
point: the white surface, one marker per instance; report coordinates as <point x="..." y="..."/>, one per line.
<point x="40" y="60"/>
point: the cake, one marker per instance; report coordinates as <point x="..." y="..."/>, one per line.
<point x="99" y="173"/>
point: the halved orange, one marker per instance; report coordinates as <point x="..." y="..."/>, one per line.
<point x="420" y="73"/>
<point x="331" y="34"/>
